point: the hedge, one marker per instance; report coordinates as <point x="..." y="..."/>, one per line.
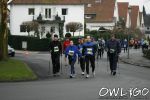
<point x="33" y="43"/>
<point x="106" y="35"/>
<point x="146" y="53"/>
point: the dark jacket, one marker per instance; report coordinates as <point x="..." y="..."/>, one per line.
<point x="113" y="47"/>
<point x="56" y="47"/>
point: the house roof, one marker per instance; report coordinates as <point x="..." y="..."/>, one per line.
<point x="134" y="16"/>
<point x="57" y="2"/>
<point x="123" y="10"/>
<point x="104" y="11"/>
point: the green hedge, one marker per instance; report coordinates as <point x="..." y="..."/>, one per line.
<point x="106" y="35"/>
<point x="147" y="53"/>
<point x="33" y="43"/>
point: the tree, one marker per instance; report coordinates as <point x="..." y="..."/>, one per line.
<point x="32" y="26"/>
<point x="48" y="35"/>
<point x="74" y="26"/>
<point x="144" y="11"/>
<point x="28" y="29"/>
<point x="4" y="31"/>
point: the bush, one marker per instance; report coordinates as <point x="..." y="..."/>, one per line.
<point x="146" y="53"/>
<point x="106" y="35"/>
<point x="33" y="43"/>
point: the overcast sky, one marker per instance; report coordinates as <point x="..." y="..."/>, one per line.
<point x="146" y="3"/>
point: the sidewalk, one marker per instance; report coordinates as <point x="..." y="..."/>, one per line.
<point x="30" y="52"/>
<point x="135" y="58"/>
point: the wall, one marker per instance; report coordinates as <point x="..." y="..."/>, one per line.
<point x="96" y="26"/>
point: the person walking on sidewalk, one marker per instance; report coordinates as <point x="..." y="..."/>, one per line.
<point x="82" y="59"/>
<point x="56" y="51"/>
<point x="89" y="50"/>
<point x="71" y="52"/>
<point x="125" y="45"/>
<point x="113" y="51"/>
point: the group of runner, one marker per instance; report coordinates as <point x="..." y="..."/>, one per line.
<point x="86" y="51"/>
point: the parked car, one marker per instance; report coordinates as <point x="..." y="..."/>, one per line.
<point x="11" y="51"/>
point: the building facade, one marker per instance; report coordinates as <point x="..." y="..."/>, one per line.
<point x="49" y="16"/>
<point x="101" y="13"/>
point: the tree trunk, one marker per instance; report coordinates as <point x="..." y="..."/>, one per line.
<point x="4" y="31"/>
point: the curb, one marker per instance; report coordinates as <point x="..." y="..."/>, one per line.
<point x="132" y="63"/>
<point x="32" y="52"/>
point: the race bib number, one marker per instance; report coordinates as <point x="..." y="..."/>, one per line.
<point x="124" y="45"/>
<point x="112" y="50"/>
<point x="99" y="47"/>
<point x="71" y="53"/>
<point x="81" y="50"/>
<point x="89" y="51"/>
<point x="56" y="49"/>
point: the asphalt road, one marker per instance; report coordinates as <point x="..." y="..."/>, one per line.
<point x="79" y="88"/>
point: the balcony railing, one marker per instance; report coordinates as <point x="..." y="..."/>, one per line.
<point x="53" y="17"/>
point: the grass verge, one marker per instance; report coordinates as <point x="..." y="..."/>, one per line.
<point x="15" y="70"/>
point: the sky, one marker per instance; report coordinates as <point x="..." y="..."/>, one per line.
<point x="146" y="3"/>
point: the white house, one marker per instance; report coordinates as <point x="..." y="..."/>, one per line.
<point x="50" y="15"/>
<point x="101" y="13"/>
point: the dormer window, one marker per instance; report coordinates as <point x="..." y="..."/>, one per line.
<point x="98" y="1"/>
<point x="89" y="5"/>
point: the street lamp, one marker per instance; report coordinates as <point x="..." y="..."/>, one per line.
<point x="129" y="11"/>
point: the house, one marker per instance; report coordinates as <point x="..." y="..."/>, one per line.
<point x="132" y="19"/>
<point x="124" y="13"/>
<point x="101" y="13"/>
<point x="135" y="17"/>
<point x="48" y="16"/>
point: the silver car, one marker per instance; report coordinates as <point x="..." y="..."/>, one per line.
<point x="11" y="51"/>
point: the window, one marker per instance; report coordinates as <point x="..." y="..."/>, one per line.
<point x="98" y="1"/>
<point x="64" y="11"/>
<point x="52" y="29"/>
<point x="22" y="28"/>
<point x="147" y="28"/>
<point x="90" y="16"/>
<point x="43" y="29"/>
<point x="89" y="5"/>
<point x="47" y="13"/>
<point x="31" y="11"/>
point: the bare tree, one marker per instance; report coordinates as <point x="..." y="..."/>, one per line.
<point x="74" y="27"/>
<point x="32" y="26"/>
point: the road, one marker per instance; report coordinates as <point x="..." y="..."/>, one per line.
<point x="79" y="88"/>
